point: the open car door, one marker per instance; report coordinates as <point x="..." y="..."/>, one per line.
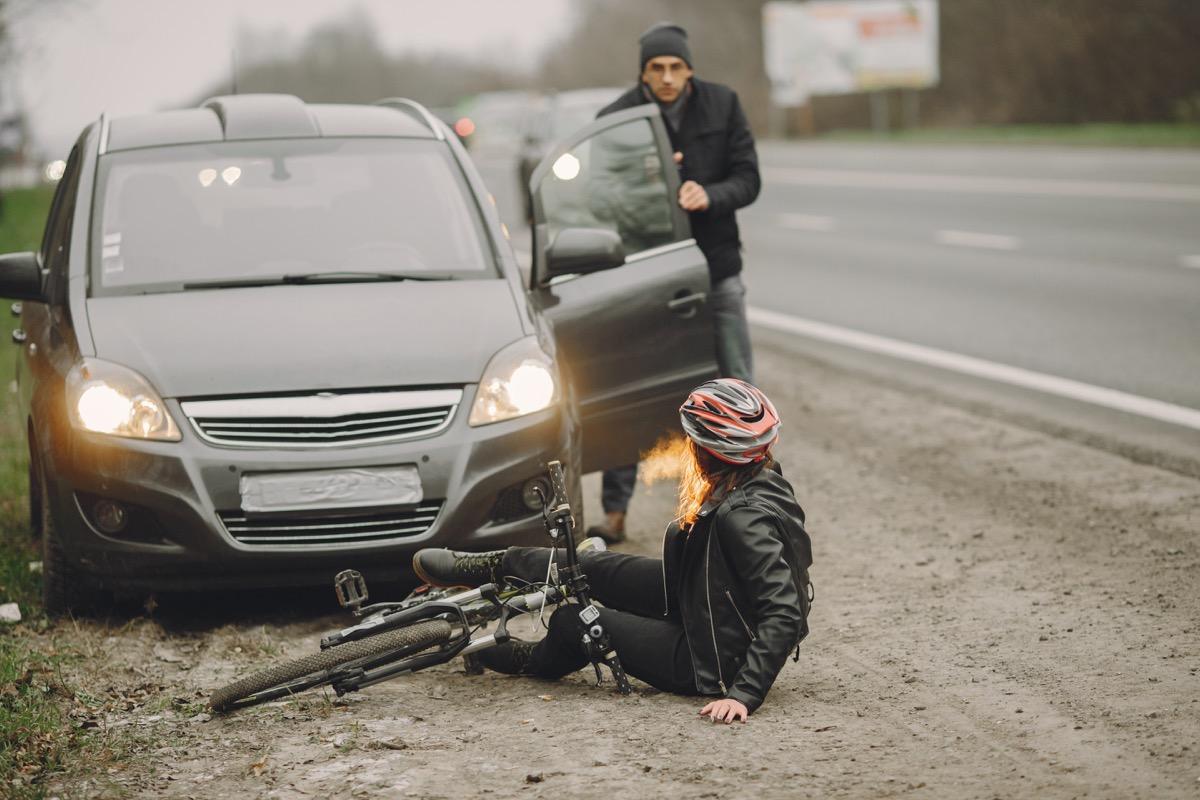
<point x="633" y="326"/>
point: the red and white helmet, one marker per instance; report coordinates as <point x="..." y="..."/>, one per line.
<point x="730" y="419"/>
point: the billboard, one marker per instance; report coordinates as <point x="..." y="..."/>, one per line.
<point x="825" y="47"/>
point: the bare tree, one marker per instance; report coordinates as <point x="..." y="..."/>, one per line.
<point x="602" y="46"/>
<point x="344" y="61"/>
<point x="1002" y="61"/>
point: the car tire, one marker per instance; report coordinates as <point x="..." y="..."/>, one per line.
<point x="64" y="588"/>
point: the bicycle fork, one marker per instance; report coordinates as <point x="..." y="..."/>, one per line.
<point x="598" y="646"/>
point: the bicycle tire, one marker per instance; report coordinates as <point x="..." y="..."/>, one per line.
<point x="288" y="676"/>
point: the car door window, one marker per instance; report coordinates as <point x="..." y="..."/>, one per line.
<point x="616" y="180"/>
<point x="56" y="242"/>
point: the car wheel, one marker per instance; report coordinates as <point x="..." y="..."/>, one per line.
<point x="64" y="588"/>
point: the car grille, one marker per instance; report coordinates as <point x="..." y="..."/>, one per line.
<point x="303" y="529"/>
<point x="324" y="420"/>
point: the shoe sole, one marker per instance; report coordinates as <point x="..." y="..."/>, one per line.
<point x="426" y="578"/>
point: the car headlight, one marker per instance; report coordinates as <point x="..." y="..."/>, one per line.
<point x="519" y="380"/>
<point x="107" y="398"/>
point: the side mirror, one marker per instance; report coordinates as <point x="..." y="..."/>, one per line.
<point x="21" y="277"/>
<point x="576" y="251"/>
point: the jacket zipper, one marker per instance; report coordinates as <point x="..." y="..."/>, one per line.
<point x="749" y="632"/>
<point x="666" y="599"/>
<point x="711" y="625"/>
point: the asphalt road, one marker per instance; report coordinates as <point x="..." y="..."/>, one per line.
<point x="1070" y="264"/>
<point x="1078" y="263"/>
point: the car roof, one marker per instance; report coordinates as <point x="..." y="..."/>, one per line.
<point x="268" y="116"/>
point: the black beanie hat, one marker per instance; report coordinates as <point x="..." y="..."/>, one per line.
<point x="664" y="39"/>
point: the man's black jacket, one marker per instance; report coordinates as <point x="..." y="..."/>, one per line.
<point x="718" y="153"/>
<point x="732" y="581"/>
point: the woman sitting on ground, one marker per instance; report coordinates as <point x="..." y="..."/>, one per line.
<point x="719" y="614"/>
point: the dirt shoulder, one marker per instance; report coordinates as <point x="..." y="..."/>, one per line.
<point x="1000" y="613"/>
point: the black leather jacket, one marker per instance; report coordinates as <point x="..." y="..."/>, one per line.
<point x="733" y="588"/>
<point x="719" y="154"/>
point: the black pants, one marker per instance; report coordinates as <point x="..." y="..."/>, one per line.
<point x="652" y="648"/>
<point x="616" y="487"/>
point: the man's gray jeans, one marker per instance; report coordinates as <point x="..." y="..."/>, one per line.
<point x="734" y="360"/>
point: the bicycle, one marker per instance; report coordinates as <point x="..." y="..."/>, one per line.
<point x="434" y="626"/>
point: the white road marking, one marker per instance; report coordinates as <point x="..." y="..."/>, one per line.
<point x="807" y="222"/>
<point x="1192" y="262"/>
<point x="988" y="241"/>
<point x="982" y="184"/>
<point x="968" y="365"/>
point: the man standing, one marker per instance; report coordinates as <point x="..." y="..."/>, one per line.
<point x="714" y="151"/>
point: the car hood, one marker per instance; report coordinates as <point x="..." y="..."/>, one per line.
<point x="301" y="338"/>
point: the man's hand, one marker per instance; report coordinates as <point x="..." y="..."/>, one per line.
<point x="692" y="197"/>
<point x="726" y="710"/>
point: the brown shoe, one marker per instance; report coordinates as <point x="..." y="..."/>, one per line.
<point x="612" y="530"/>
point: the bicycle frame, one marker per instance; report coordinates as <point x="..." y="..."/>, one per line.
<point x="507" y="604"/>
<point x="469" y="609"/>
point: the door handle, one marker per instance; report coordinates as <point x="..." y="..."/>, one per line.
<point x="19" y="336"/>
<point x="685" y="303"/>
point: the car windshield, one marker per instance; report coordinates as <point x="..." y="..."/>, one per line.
<point x="241" y="213"/>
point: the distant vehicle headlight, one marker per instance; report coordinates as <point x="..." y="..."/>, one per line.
<point x="519" y="380"/>
<point x="107" y="398"/>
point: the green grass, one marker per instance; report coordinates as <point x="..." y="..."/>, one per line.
<point x="36" y="738"/>
<point x="24" y="215"/>
<point x="36" y="735"/>
<point x="1092" y="135"/>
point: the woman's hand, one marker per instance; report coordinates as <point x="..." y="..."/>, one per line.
<point x="726" y="710"/>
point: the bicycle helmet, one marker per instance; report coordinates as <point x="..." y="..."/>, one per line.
<point x="730" y="419"/>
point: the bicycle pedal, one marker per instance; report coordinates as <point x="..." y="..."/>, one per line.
<point x="351" y="589"/>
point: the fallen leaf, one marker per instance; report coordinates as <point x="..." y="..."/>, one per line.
<point x="390" y="744"/>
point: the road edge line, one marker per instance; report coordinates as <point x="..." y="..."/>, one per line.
<point x="978" y="367"/>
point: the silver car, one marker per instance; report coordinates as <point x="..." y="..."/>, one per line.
<point x="265" y="340"/>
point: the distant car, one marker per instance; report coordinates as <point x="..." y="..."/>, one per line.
<point x="491" y="123"/>
<point x="556" y="117"/>
<point x="263" y="341"/>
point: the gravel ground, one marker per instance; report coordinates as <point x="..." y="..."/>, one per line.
<point x="1000" y="613"/>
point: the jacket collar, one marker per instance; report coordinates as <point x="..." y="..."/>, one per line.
<point x="766" y="476"/>
<point x="674" y="111"/>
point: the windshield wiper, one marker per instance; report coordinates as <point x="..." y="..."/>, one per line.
<point x="335" y="276"/>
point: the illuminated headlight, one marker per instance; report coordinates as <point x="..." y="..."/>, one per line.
<point x="108" y="398"/>
<point x="519" y="380"/>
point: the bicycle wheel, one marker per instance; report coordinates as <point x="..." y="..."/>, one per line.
<point x="293" y="676"/>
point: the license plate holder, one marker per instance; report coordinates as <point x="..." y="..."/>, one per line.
<point x="330" y="489"/>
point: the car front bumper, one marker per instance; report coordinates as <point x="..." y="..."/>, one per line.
<point x="186" y="485"/>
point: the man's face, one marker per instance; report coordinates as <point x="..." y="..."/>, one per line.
<point x="666" y="76"/>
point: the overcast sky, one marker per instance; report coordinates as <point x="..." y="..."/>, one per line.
<point x="81" y="57"/>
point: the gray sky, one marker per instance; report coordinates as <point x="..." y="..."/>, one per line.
<point x="81" y="57"/>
